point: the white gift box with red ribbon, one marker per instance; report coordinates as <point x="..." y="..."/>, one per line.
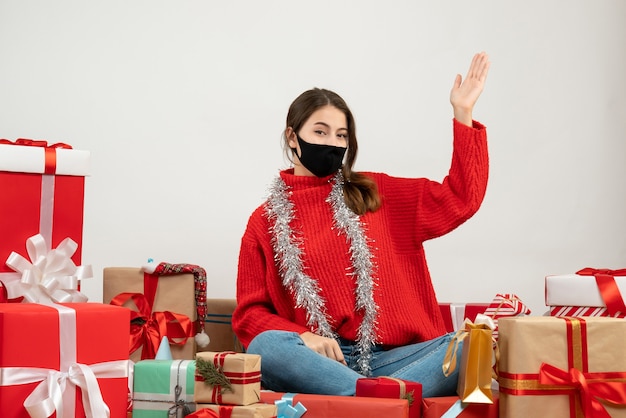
<point x="589" y="288"/>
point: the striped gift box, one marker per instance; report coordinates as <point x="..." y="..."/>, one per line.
<point x="584" y="311"/>
<point x="505" y="305"/>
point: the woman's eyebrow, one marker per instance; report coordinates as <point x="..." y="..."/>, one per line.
<point x="328" y="126"/>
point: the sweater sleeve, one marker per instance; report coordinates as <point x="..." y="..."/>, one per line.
<point x="423" y="209"/>
<point x="258" y="297"/>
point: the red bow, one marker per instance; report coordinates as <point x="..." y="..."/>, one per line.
<point x="35" y="143"/>
<point x="608" y="288"/>
<point x="590" y="387"/>
<point x="154" y="325"/>
<point x="50" y="162"/>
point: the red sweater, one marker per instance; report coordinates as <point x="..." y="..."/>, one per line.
<point x="412" y="211"/>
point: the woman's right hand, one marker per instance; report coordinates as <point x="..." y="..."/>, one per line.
<point x="325" y="346"/>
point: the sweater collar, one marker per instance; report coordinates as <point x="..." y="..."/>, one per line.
<point x="304" y="182"/>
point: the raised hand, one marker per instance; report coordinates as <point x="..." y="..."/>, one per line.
<point x="465" y="93"/>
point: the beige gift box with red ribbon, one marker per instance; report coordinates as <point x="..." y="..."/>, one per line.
<point x="562" y="367"/>
<point x="242" y="372"/>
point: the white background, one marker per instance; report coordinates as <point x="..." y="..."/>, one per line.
<point x="182" y="104"/>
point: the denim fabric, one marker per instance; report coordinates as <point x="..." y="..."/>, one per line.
<point x="287" y="365"/>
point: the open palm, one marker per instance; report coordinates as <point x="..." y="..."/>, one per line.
<point x="465" y="92"/>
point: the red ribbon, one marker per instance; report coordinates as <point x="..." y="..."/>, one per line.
<point x="590" y="387"/>
<point x="4" y="295"/>
<point x="203" y="413"/>
<point x="155" y="325"/>
<point x="50" y="150"/>
<point x="608" y="288"/>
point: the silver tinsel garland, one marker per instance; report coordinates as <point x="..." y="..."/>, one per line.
<point x="288" y="256"/>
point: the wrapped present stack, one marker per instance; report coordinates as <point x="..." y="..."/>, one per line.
<point x="78" y="366"/>
<point x="168" y="300"/>
<point x="588" y="292"/>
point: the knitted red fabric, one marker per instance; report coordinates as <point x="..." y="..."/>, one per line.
<point x="413" y="211"/>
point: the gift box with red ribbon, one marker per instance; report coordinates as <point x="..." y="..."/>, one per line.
<point x="323" y="406"/>
<point x="69" y="358"/>
<point x="163" y="306"/>
<point x="454" y="314"/>
<point x="389" y="387"/>
<point x="227" y="378"/>
<point x="451" y="406"/>
<point x="255" y="410"/>
<point x="562" y="367"/>
<point x="589" y="292"/>
<point x="42" y="193"/>
<point x="502" y="305"/>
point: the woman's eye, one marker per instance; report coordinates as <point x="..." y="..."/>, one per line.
<point x="320" y="132"/>
<point x="343" y="136"/>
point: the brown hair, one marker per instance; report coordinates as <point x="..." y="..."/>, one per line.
<point x="359" y="191"/>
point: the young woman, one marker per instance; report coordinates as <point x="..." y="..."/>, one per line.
<point x="333" y="283"/>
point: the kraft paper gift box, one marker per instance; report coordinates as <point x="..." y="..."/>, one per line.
<point x="173" y="294"/>
<point x="436" y="407"/>
<point x="227" y="378"/>
<point x="163" y="388"/>
<point x="589" y="292"/>
<point x="323" y="406"/>
<point x="77" y="349"/>
<point x="42" y="193"/>
<point x="562" y="367"/>
<point x="218" y="326"/>
<point x="256" y="410"/>
<point x="389" y="387"/>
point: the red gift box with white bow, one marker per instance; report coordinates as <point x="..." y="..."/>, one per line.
<point x="78" y="366"/>
<point x="42" y="193"/>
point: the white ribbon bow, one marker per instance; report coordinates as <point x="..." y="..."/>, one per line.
<point x="49" y="277"/>
<point x="48" y="395"/>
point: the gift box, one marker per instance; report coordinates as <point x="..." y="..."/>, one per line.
<point x="454" y="314"/>
<point x="587" y="289"/>
<point x="218" y="326"/>
<point x="323" y="406"/>
<point x="227" y="378"/>
<point x="165" y="297"/>
<point x="389" y="387"/>
<point x="42" y="193"/>
<point x="256" y="410"/>
<point x="65" y="357"/>
<point x="163" y="388"/>
<point x="562" y="367"/>
<point x="505" y="305"/>
<point x="584" y="311"/>
<point x="452" y="406"/>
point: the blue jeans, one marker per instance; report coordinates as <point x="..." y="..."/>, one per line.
<point x="287" y="365"/>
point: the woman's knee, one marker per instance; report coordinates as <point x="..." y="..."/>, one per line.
<point x="272" y="343"/>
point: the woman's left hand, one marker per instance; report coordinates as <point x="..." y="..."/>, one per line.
<point x="465" y="93"/>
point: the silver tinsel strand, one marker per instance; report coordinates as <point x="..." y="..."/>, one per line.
<point x="288" y="256"/>
<point x="349" y="224"/>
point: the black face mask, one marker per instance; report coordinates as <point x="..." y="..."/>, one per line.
<point x="321" y="160"/>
